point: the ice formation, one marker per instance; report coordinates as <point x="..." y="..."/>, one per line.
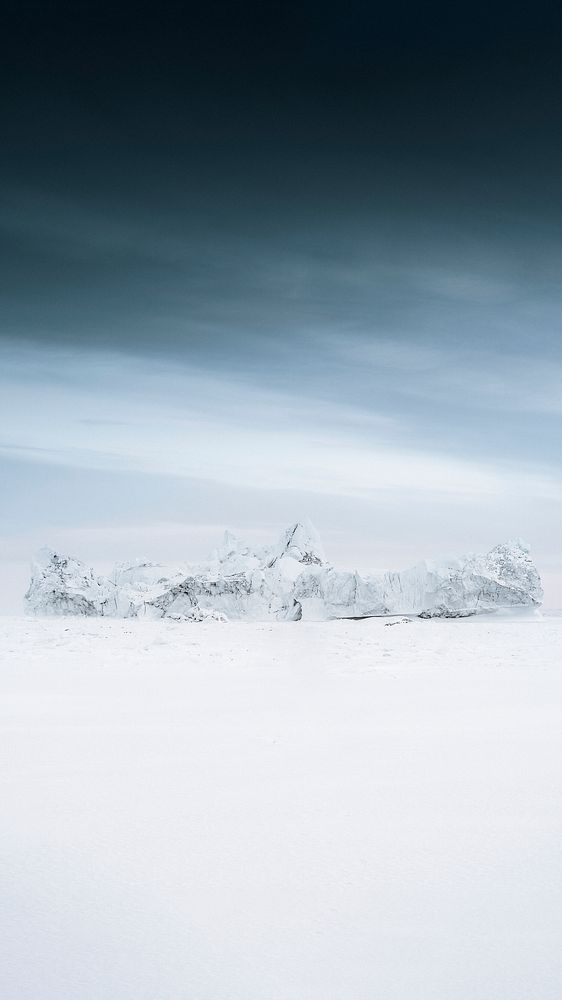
<point x="286" y="581"/>
<point x="61" y="585"/>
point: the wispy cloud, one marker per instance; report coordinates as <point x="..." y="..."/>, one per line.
<point x="106" y="411"/>
<point x="484" y="378"/>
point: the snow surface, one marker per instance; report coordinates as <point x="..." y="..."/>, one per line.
<point x="286" y="581"/>
<point x="363" y="810"/>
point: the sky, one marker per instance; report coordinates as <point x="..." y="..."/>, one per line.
<point x="267" y="262"/>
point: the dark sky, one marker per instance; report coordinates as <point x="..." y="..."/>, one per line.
<point x="356" y="210"/>
<point x="163" y="160"/>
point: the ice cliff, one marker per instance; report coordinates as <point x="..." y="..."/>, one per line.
<point x="285" y="581"/>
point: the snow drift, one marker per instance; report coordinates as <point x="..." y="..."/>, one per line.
<point x="286" y="581"/>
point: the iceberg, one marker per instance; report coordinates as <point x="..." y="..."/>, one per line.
<point x="287" y="581"/>
<point x="62" y="585"/>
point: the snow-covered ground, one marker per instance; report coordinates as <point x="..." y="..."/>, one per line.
<point x="294" y="811"/>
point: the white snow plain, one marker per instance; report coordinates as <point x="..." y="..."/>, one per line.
<point x="352" y="810"/>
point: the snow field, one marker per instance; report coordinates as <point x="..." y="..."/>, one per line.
<point x="286" y="811"/>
